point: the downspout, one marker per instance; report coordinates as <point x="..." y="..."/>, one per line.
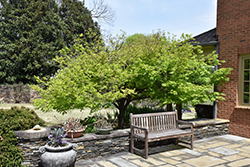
<point x="216" y="87"/>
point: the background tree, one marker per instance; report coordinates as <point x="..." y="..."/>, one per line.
<point x="32" y="33"/>
<point x="102" y="12"/>
<point x="155" y="66"/>
<point x="78" y="21"/>
<point x="134" y="38"/>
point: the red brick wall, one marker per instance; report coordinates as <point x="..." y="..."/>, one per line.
<point x="240" y="124"/>
<point x="233" y="30"/>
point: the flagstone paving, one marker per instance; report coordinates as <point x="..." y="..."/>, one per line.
<point x="222" y="151"/>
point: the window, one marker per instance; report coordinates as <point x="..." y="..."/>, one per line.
<point x="244" y="80"/>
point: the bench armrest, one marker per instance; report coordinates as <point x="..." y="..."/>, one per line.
<point x="146" y="130"/>
<point x="138" y="127"/>
<point x="187" y="123"/>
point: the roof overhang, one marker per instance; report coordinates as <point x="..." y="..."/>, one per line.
<point x="211" y="43"/>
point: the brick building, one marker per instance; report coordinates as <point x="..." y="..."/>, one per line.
<point x="233" y="30"/>
<point x="231" y="39"/>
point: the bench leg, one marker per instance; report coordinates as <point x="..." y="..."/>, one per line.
<point x="146" y="149"/>
<point x="192" y="142"/>
<point x="176" y="141"/>
<point x="132" y="143"/>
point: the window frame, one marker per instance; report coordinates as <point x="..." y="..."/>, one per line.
<point x="242" y="81"/>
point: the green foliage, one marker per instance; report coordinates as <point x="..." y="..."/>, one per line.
<point x="32" y="32"/>
<point x="90" y="120"/>
<point x="134" y="38"/>
<point x="78" y="21"/>
<point x="10" y="154"/>
<point x="157" y="67"/>
<point x="72" y="123"/>
<point x="99" y="119"/>
<point x="139" y="110"/>
<point x="104" y="121"/>
<point x="19" y="119"/>
<point x="12" y="120"/>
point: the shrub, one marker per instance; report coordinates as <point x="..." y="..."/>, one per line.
<point x="12" y="120"/>
<point x="10" y="154"/>
<point x="135" y="110"/>
<point x="90" y="120"/>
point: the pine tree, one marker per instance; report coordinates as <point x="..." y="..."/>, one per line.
<point x="78" y="20"/>
<point x="32" y="32"/>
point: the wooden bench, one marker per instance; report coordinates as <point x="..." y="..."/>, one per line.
<point x="157" y="126"/>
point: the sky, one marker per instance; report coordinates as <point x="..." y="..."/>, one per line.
<point x="173" y="16"/>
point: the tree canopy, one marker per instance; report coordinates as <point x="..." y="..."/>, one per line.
<point x="33" y="31"/>
<point x="156" y="66"/>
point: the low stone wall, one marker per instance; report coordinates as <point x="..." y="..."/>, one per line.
<point x="17" y="93"/>
<point x="30" y="150"/>
<point x="94" y="145"/>
<point x="209" y="128"/>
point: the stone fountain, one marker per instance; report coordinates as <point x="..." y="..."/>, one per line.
<point x="33" y="134"/>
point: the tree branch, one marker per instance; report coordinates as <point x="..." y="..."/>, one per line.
<point x="102" y="12"/>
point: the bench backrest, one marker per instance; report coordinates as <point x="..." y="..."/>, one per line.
<point x="155" y="121"/>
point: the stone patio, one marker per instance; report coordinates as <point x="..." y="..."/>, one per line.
<point x="222" y="151"/>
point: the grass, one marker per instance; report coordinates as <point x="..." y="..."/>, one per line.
<point x="49" y="117"/>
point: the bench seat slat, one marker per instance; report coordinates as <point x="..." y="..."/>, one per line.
<point x="173" y="133"/>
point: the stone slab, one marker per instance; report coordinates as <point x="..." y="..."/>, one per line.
<point x="156" y="161"/>
<point x="203" y="140"/>
<point x="169" y="161"/>
<point x="233" y="157"/>
<point x="81" y="163"/>
<point x="233" y="137"/>
<point x="247" y="140"/>
<point x="224" y="151"/>
<point x="214" y="154"/>
<point x="172" y="153"/>
<point x="244" y="162"/>
<point x="122" y="162"/>
<point x="107" y="164"/>
<point x="95" y="136"/>
<point x="205" y="161"/>
<point x="191" y="152"/>
<point x="210" y="122"/>
<point x="168" y="165"/>
<point x="213" y="145"/>
<point x="233" y="146"/>
<point x="141" y="163"/>
<point x="183" y="165"/>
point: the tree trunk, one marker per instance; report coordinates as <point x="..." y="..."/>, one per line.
<point x="179" y="111"/>
<point x="121" y="117"/>
<point x="170" y="107"/>
<point x="122" y="105"/>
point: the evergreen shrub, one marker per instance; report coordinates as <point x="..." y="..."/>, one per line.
<point x="12" y="120"/>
